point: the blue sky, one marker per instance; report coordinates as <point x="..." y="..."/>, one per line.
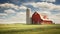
<point x="18" y="2"/>
<point x="14" y="11"/>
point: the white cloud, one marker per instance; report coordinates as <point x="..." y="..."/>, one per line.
<point x="9" y="5"/>
<point x="22" y="7"/>
<point x="3" y="14"/>
<point x="49" y="0"/>
<point x="20" y="17"/>
<point x="9" y="11"/>
<point x="44" y="5"/>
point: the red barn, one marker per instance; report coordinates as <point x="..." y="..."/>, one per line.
<point x="36" y="19"/>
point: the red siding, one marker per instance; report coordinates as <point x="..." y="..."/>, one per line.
<point x="47" y="22"/>
<point x="36" y="18"/>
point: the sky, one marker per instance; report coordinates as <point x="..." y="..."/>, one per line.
<point x="14" y="11"/>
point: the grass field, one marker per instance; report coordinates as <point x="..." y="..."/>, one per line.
<point x="29" y="29"/>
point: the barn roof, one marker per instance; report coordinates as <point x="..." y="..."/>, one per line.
<point x="41" y="17"/>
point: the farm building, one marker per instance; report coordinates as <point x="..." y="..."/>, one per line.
<point x="36" y="18"/>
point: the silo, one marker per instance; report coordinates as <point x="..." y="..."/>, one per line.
<point x="28" y="18"/>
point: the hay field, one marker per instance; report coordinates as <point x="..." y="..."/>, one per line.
<point x="29" y="29"/>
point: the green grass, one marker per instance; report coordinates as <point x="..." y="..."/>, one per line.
<point x="29" y="29"/>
